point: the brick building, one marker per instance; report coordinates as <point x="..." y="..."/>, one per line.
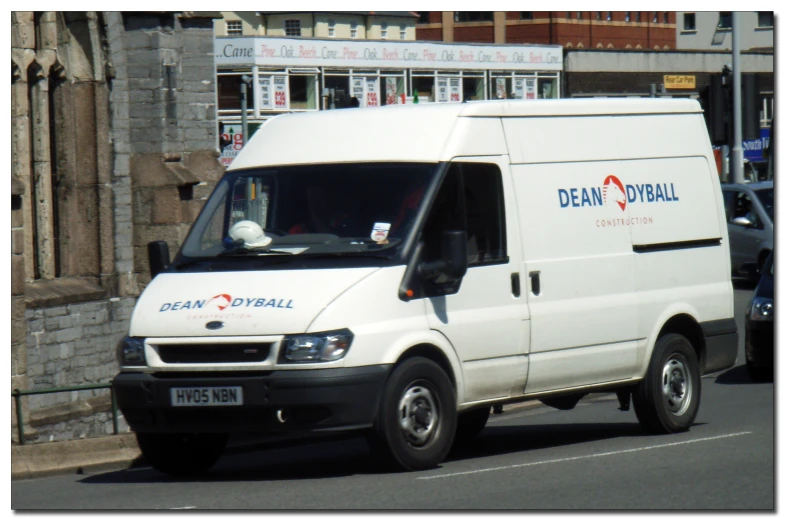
<point x="653" y="30"/>
<point x="113" y="145"/>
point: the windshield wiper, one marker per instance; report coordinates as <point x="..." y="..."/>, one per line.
<point x="345" y="254"/>
<point x="245" y="251"/>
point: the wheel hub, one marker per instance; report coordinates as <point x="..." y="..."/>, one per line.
<point x="418" y="414"/>
<point x="676" y="385"/>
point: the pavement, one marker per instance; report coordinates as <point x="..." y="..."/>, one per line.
<point x="117" y="452"/>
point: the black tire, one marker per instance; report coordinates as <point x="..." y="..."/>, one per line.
<point x="417" y="419"/>
<point x="471" y="424"/>
<point x="667" y="399"/>
<point x="181" y="454"/>
<point x="758" y="374"/>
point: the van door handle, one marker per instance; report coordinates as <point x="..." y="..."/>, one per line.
<point x="516" y="285"/>
<point x="535" y="278"/>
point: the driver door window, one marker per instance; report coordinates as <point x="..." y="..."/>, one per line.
<point x="745" y="208"/>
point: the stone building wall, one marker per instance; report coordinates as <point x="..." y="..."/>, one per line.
<point x="113" y="145"/>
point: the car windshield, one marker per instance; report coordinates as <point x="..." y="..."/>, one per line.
<point x="766" y="197"/>
<point x="312" y="210"/>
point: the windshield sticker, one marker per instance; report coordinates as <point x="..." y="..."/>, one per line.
<point x="223" y="301"/>
<point x="380" y="232"/>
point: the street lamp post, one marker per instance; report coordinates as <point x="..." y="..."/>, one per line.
<point x="245" y="81"/>
<point x="737" y="153"/>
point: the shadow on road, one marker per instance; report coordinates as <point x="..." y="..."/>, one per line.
<point x="737" y="376"/>
<point x="335" y="459"/>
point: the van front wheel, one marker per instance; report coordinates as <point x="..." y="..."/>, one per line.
<point x="667" y="399"/>
<point x="417" y="417"/>
<point x="181" y="454"/>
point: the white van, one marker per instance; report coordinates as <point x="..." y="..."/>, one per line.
<point x="401" y="270"/>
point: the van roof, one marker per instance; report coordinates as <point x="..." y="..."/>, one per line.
<point x="412" y="132"/>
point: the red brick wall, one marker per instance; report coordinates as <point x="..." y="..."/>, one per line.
<point x="429" y="34"/>
<point x="528" y="33"/>
<point x="475" y="34"/>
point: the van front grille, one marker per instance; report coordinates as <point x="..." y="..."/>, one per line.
<point x="213" y="353"/>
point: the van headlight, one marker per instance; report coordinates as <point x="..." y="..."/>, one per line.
<point x="130" y="352"/>
<point x="317" y="347"/>
<point x="762" y="309"/>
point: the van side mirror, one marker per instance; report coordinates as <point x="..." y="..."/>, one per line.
<point x="454" y="260"/>
<point x="158" y="256"/>
<point x="742" y="221"/>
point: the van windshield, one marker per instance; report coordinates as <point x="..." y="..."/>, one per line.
<point x="363" y="209"/>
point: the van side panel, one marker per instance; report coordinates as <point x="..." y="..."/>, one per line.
<point x="584" y="320"/>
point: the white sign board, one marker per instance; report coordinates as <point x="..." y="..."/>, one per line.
<point x="290" y="52"/>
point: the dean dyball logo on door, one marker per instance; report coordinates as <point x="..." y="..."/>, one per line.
<point x="613" y="192"/>
<point x="223" y="301"/>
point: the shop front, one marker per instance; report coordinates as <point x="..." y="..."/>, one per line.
<point x="297" y="74"/>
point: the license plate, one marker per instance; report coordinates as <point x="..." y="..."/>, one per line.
<point x="202" y="396"/>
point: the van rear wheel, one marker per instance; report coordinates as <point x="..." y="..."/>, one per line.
<point x="181" y="454"/>
<point x="667" y="399"/>
<point x="417" y="417"/>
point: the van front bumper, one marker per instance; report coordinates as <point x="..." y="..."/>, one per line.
<point x="297" y="400"/>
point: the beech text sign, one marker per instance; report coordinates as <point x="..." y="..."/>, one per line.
<point x="335" y="53"/>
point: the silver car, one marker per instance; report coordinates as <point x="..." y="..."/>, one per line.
<point x="749" y="209"/>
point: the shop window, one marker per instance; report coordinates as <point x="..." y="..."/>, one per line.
<point x="473" y="16"/>
<point x="424" y="87"/>
<point x="392" y="88"/>
<point x="726" y="20"/>
<point x="340" y="85"/>
<point x="473" y="88"/>
<point x="229" y="92"/>
<point x="354" y="30"/>
<point x="384" y="31"/>
<point x="526" y="15"/>
<point x="234" y="28"/>
<point x="302" y="92"/>
<point x="765" y="19"/>
<point x="292" y="27"/>
<point x="502" y="87"/>
<point x="689" y="21"/>
<point x="331" y="28"/>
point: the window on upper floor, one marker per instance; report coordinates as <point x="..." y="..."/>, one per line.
<point x="609" y="16"/>
<point x="473" y="16"/>
<point x="403" y="32"/>
<point x="331" y="28"/>
<point x="654" y="18"/>
<point x="526" y="15"/>
<point x="726" y="20"/>
<point x="354" y="30"/>
<point x="568" y="15"/>
<point x="424" y="17"/>
<point x="638" y="16"/>
<point x="292" y="27"/>
<point x="234" y="28"/>
<point x="627" y="16"/>
<point x="689" y="21"/>
<point x="599" y="16"/>
<point x="665" y="17"/>
<point x="384" y="31"/>
<point x="765" y="19"/>
<point x="579" y="15"/>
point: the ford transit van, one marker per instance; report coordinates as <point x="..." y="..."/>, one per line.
<point x="399" y="271"/>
